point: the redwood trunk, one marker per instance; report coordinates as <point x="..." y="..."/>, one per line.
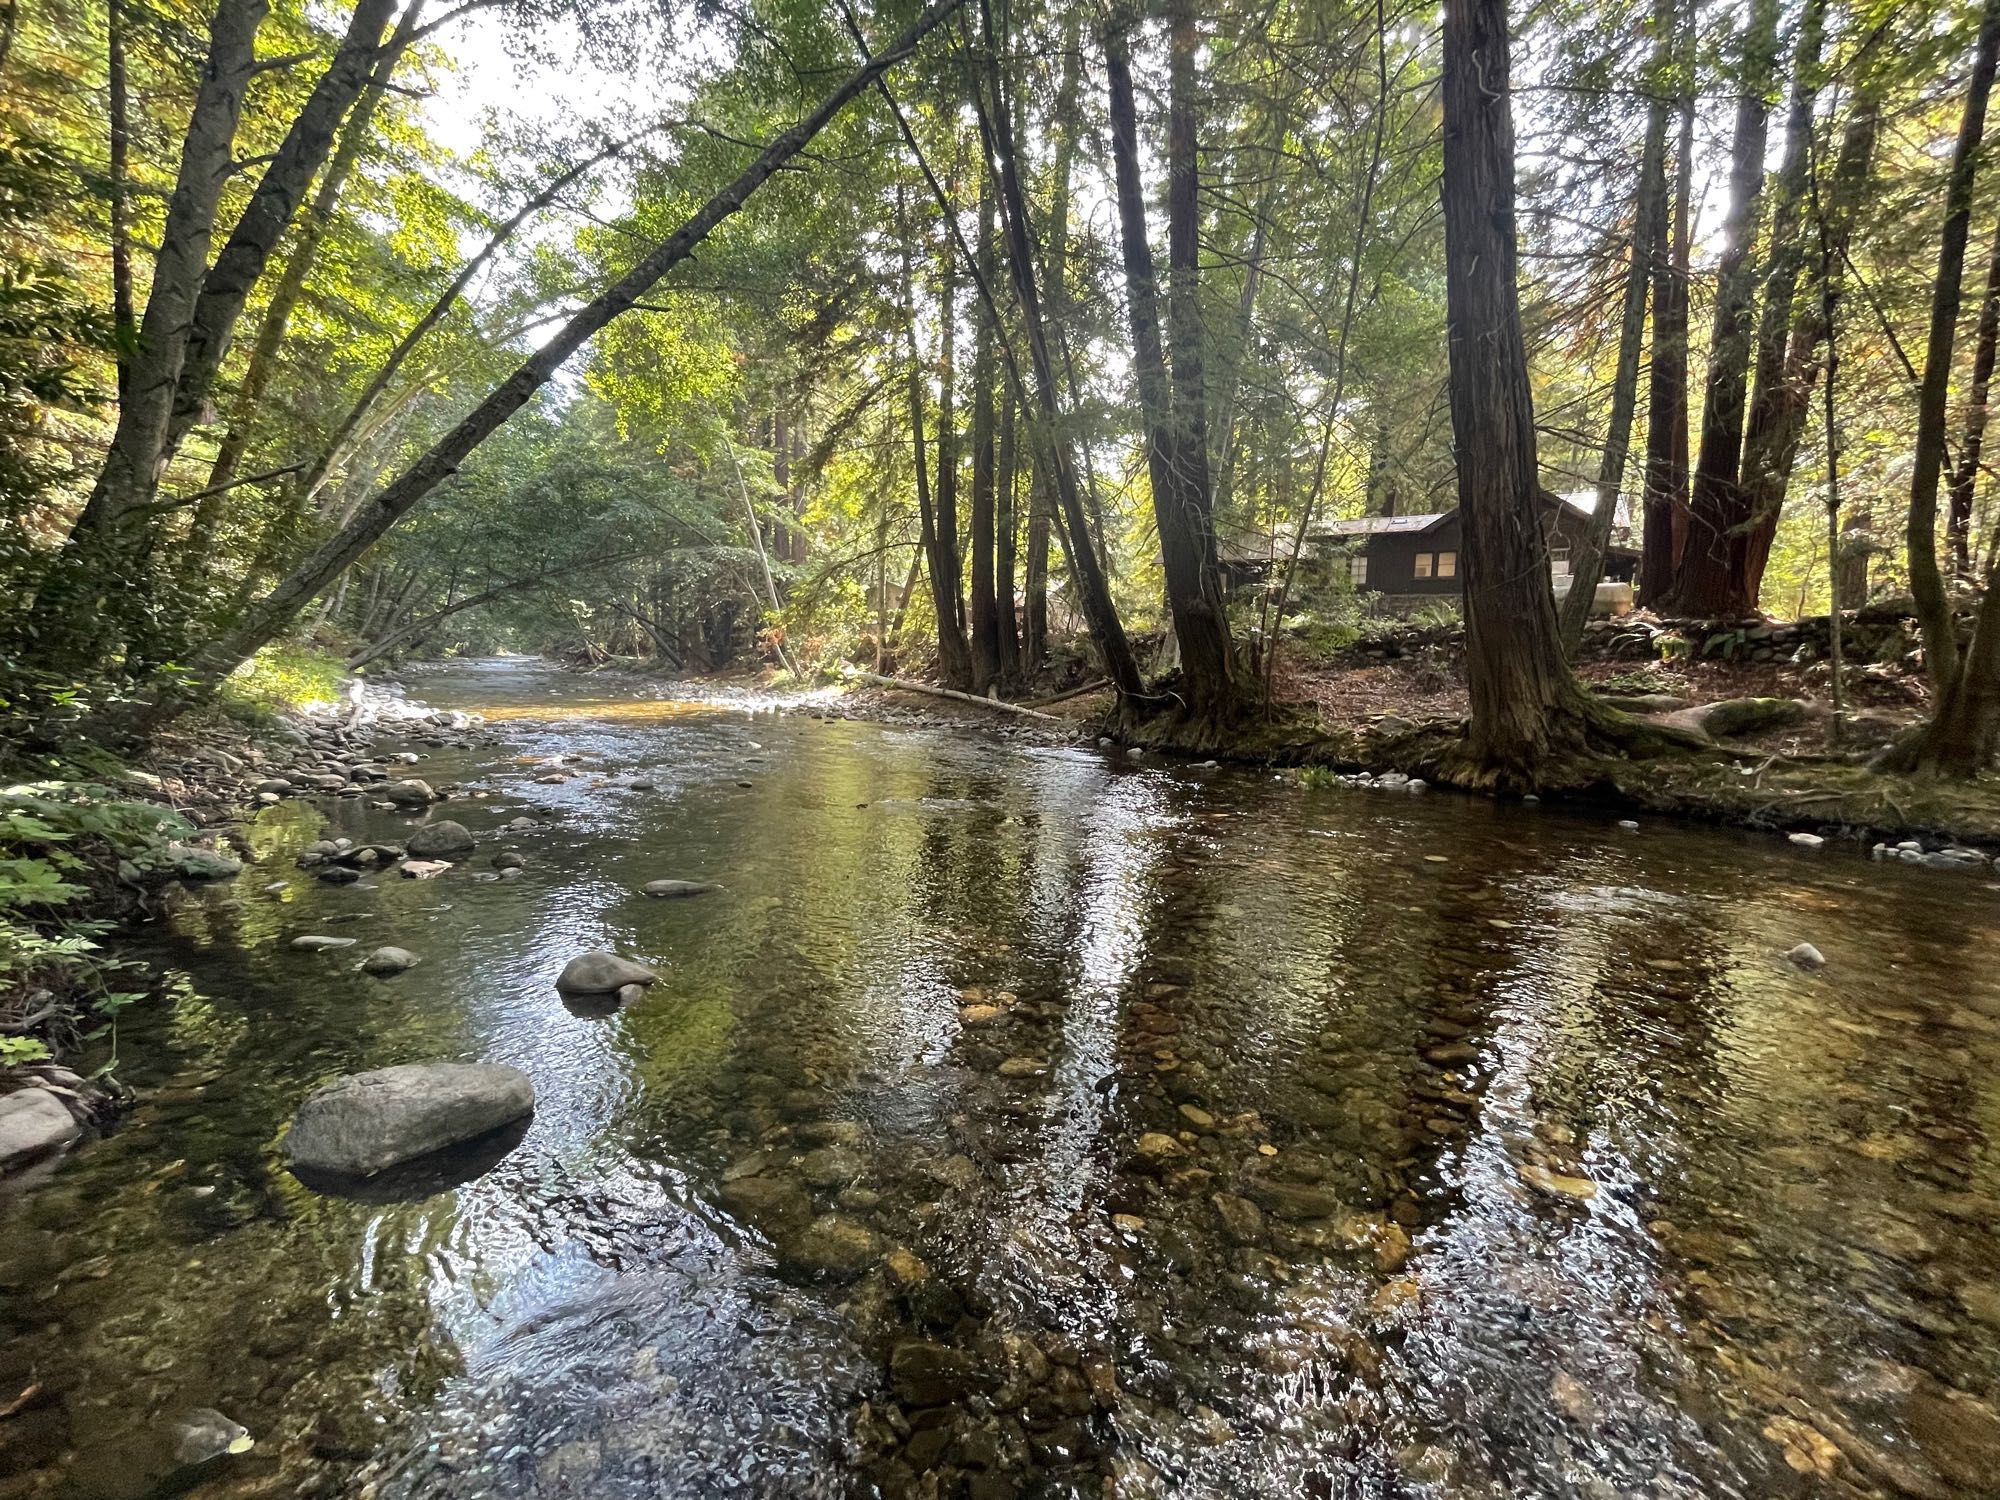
<point x="1663" y="521"/>
<point x="1524" y="701"/>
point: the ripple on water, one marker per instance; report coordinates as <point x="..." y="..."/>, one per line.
<point x="1026" y="1120"/>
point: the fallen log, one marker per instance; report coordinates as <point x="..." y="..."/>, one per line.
<point x="953" y="693"/>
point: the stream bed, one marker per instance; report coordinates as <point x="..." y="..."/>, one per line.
<point x="1023" y="1120"/>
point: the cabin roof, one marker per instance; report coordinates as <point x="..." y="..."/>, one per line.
<point x="1384" y="525"/>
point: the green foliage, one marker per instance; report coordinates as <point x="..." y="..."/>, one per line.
<point x="283" y="677"/>
<point x="1318" y="778"/>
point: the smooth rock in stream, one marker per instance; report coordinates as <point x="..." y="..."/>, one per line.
<point x="674" y="889"/>
<point x="444" y="837"/>
<point x="386" y="961"/>
<point x="1806" y="840"/>
<point x="33" y="1122"/>
<point x="407" y="793"/>
<point x="424" y="869"/>
<point x="508" y="859"/>
<point x="366" y="1123"/>
<point x="313" y="942"/>
<point x="835" y="1247"/>
<point x="1806" y="956"/>
<point x="601" y="973"/>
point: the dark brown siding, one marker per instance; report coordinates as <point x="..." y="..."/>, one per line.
<point x="1392" y="561"/>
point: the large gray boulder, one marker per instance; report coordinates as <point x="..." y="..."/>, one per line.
<point x="368" y="1122"/>
<point x="33" y="1122"/>
<point x="443" y="837"/>
<point x="407" y="793"/>
<point x="601" y="973"/>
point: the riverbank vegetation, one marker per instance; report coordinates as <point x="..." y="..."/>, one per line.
<point x="1008" y="347"/>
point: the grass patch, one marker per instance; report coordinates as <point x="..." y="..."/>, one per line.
<point x="281" y="678"/>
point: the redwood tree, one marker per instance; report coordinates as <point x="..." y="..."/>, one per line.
<point x="1525" y="703"/>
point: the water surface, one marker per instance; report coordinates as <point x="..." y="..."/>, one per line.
<point x="1024" y="1120"/>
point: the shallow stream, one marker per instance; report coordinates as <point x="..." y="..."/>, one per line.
<point x="1023" y="1120"/>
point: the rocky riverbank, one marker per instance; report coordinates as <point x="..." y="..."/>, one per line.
<point x="92" y="859"/>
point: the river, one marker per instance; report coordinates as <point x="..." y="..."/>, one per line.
<point x="1032" y="1120"/>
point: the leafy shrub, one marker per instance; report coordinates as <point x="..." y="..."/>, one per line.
<point x="283" y="677"/>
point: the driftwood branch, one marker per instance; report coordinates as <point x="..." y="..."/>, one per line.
<point x="938" y="692"/>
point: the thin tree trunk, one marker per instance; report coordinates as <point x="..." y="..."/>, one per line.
<point x="1041" y="494"/>
<point x="130" y="471"/>
<point x="1525" y="704"/>
<point x="263" y="621"/>
<point x="947" y="563"/>
<point x="1006" y="533"/>
<point x="1765" y="471"/>
<point x="1649" y="208"/>
<point x="342" y="441"/>
<point x="123" y="317"/>
<point x="1173" y="405"/>
<point x="1711" y="581"/>
<point x="985" y="610"/>
<point x="240" y="264"/>
<point x="1959" y="739"/>
<point x="1779" y="408"/>
<point x="1965" y="476"/>
<point x="1663" y="523"/>
<point x="1086" y="571"/>
<point x="272" y="327"/>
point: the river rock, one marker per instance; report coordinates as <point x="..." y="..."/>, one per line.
<point x="407" y="793"/>
<point x="508" y="859"/>
<point x="386" y="961"/>
<point x="33" y="1122"/>
<point x="424" y="869"/>
<point x="1806" y="956"/>
<point x="366" y="1123"/>
<point x="441" y="838"/>
<point x="835" y="1247"/>
<point x="777" y="1205"/>
<point x="1806" y="840"/>
<point x="194" y="862"/>
<point x="601" y="973"/>
<point x="313" y="942"/>
<point x="674" y="889"/>
<point x="338" y="874"/>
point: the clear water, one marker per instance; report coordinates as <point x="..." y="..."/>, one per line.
<point x="1408" y="1032"/>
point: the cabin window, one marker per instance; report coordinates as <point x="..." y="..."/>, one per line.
<point x="1447" y="565"/>
<point x="1357" y="569"/>
<point x="1424" y="561"/>
<point x="1559" y="562"/>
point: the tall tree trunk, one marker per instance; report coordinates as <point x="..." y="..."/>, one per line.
<point x="1760" y="487"/>
<point x="1042" y="490"/>
<point x="1006" y="534"/>
<point x="276" y="321"/>
<point x="947" y="565"/>
<point x="1176" y="442"/>
<point x="1964" y="480"/>
<point x="1711" y="581"/>
<point x="1649" y="204"/>
<point x="123" y="316"/>
<point x="240" y="264"/>
<point x="984" y="617"/>
<point x="1086" y="570"/>
<point x="268" y="616"/>
<point x="1525" y="704"/>
<point x="1663" y="523"/>
<point x="130" y="471"/>
<point x="1965" y="718"/>
<point x="1780" y="406"/>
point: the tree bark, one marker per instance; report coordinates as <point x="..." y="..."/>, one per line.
<point x="984" y="616"/>
<point x="1525" y="704"/>
<point x="1780" y="406"/>
<point x="123" y="318"/>
<point x="1041" y="495"/>
<point x="1711" y="581"/>
<point x="1964" y="480"/>
<point x="1664" y="508"/>
<point x="1959" y="739"/>
<point x="240" y="264"/>
<point x="130" y="472"/>
<point x="264" y="619"/>
<point x="1006" y="534"/>
<point x="1648" y="209"/>
<point x="276" y="321"/>
<point x="1093" y="592"/>
<point x="1172" y="404"/>
<point x="947" y="563"/>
